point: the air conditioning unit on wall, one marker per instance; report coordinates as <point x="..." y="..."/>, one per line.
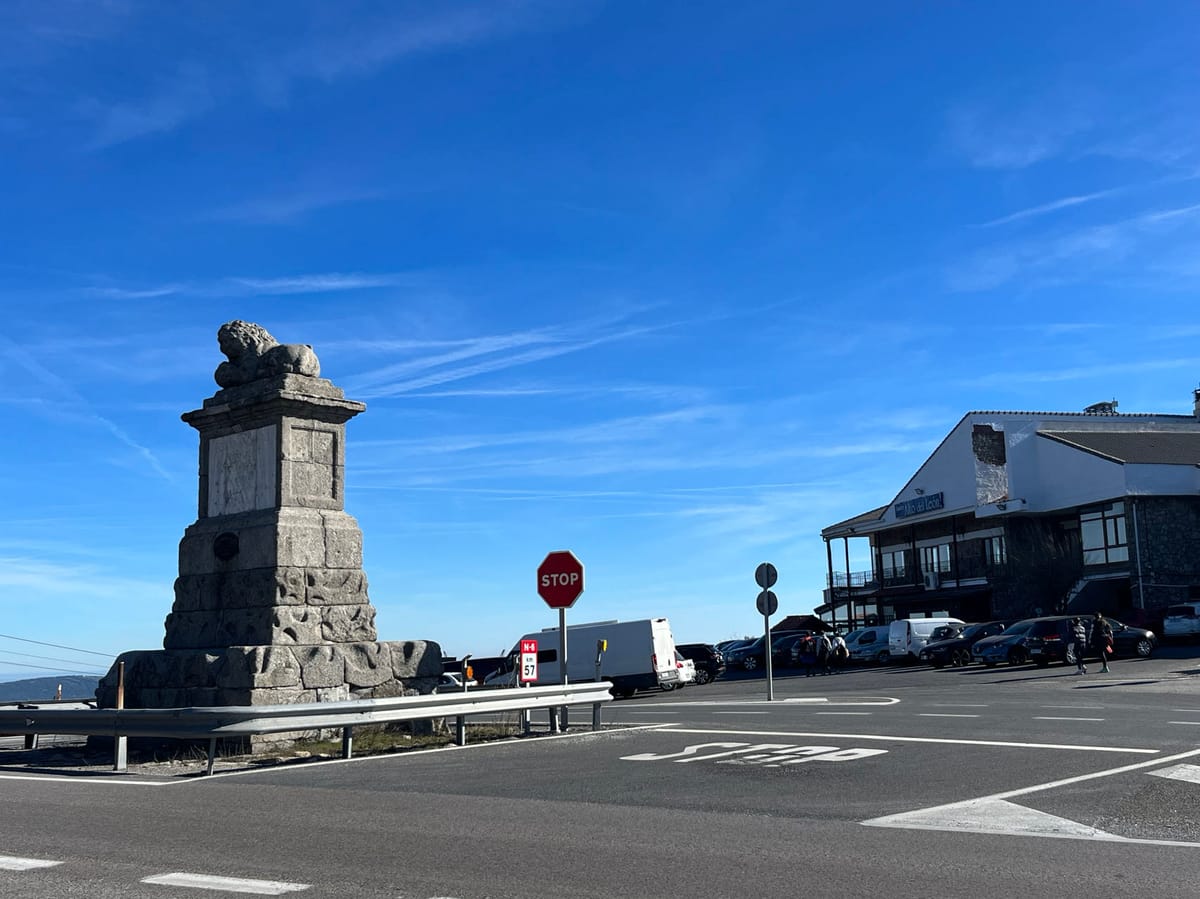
<point x="931" y="580"/>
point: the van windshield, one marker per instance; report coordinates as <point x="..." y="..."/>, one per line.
<point x="1181" y="612"/>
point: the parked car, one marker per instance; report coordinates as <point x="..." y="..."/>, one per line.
<point x="709" y="661"/>
<point x="956" y="650"/>
<point x="1006" y="646"/>
<point x="785" y="650"/>
<point x="452" y="682"/>
<point x="753" y="656"/>
<point x="1051" y="640"/>
<point x="686" y="670"/>
<point x="725" y="646"/>
<point x="1182" y="622"/>
<point x="871" y="645"/>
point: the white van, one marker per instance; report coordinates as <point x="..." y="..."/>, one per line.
<point x="640" y="655"/>
<point x="1182" y="622"/>
<point x="908" y="636"/>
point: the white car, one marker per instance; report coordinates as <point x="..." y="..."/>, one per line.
<point x="686" y="671"/>
<point x="452" y="682"/>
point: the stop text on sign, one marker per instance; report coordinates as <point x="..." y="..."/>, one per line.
<point x="568" y="579"/>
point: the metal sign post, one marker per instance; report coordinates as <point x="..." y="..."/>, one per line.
<point x="767" y="602"/>
<point x="560" y="581"/>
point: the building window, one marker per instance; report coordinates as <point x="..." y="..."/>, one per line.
<point x="935" y="558"/>
<point x="893" y="565"/>
<point x="995" y="553"/>
<point x="1103" y="535"/>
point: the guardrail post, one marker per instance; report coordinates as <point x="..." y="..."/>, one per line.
<point x="31" y="741"/>
<point x="595" y="716"/>
<point x="120" y="744"/>
<point x="460" y="730"/>
<point x="212" y="755"/>
<point x="347" y="742"/>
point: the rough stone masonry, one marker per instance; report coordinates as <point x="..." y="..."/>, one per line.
<point x="271" y="600"/>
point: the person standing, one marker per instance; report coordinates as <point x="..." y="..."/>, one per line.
<point x="1079" y="644"/>
<point x="808" y="656"/>
<point x="1102" y="639"/>
<point x="823" y="652"/>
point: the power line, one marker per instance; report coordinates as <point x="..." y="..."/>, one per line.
<point x="47" y="668"/>
<point x="30" y="655"/>
<point x="107" y="655"/>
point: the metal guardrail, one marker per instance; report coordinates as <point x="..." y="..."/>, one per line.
<point x="215" y="722"/>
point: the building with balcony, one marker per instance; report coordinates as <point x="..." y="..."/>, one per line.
<point x="1017" y="514"/>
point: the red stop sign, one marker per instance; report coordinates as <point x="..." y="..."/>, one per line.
<point x="560" y="579"/>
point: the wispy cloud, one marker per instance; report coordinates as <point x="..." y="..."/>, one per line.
<point x="1108" y="369"/>
<point x="73" y="403"/>
<point x="486" y="355"/>
<point x="320" y="283"/>
<point x="186" y="96"/>
<point x="1053" y="206"/>
<point x="1015" y="138"/>
<point x="1053" y="257"/>
<point x="290" y="208"/>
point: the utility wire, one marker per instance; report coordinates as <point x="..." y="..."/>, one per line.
<point x="30" y="655"/>
<point x="47" y="668"/>
<point x="107" y="655"/>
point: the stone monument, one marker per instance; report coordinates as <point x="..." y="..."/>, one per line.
<point x="271" y="600"/>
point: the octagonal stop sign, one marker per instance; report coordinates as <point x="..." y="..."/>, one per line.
<point x="560" y="579"/>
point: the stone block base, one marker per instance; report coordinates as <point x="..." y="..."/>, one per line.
<point x="272" y="675"/>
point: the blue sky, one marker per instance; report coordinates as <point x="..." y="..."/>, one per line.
<point x="672" y="285"/>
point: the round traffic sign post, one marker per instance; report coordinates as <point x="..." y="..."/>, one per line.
<point x="559" y="583"/>
<point x="767" y="603"/>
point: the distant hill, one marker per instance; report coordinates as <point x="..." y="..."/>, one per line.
<point x="74" y="686"/>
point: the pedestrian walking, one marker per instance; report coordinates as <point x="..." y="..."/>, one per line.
<point x="1079" y="644"/>
<point x="840" y="653"/>
<point x="1102" y="639"/>
<point x="823" y="652"/>
<point x="808" y="656"/>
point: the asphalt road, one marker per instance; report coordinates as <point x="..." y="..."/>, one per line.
<point x="876" y="782"/>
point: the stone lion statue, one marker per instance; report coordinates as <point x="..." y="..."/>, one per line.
<point x="253" y="354"/>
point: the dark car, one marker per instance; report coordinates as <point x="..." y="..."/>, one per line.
<point x="1051" y="640"/>
<point x="785" y="649"/>
<point x="1006" y="646"/>
<point x="710" y="663"/>
<point x="956" y="650"/>
<point x="753" y="656"/>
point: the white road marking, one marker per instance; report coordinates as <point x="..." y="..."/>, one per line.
<point x="1187" y="711"/>
<point x="1190" y="773"/>
<point x="992" y="814"/>
<point x="861" y="700"/>
<point x="739" y="713"/>
<point x="1062" y="718"/>
<point x="959" y="705"/>
<point x="12" y="863"/>
<point x="1076" y="708"/>
<point x="843" y="713"/>
<point x="1184" y="722"/>
<point x="227" y="884"/>
<point x="1075" y="747"/>
<point x="944" y="715"/>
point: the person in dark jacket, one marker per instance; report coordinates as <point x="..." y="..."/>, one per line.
<point x="1079" y="644"/>
<point x="1102" y="639"/>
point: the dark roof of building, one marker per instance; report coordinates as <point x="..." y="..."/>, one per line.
<point x="1137" y="447"/>
<point x="851" y="523"/>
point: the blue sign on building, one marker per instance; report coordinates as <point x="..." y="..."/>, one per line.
<point x="920" y="505"/>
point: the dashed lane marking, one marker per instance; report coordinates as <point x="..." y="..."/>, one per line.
<point x="227" y="884"/>
<point x="944" y="715"/>
<point x="1062" y="718"/>
<point x="13" y="863"/>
